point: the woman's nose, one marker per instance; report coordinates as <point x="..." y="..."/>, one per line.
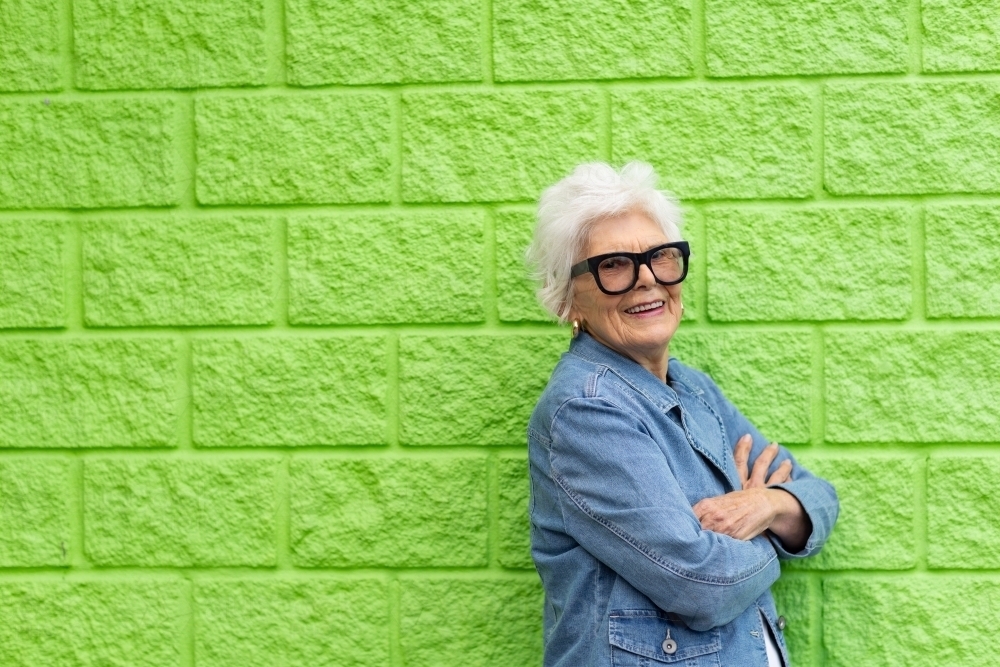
<point x="645" y="278"/>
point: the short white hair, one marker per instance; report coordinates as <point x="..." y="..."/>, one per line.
<point x="568" y="210"/>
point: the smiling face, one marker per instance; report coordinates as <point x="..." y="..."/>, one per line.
<point x="639" y="323"/>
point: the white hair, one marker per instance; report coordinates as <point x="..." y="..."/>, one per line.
<point x="568" y="210"/>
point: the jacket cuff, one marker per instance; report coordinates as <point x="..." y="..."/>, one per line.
<point x="818" y="499"/>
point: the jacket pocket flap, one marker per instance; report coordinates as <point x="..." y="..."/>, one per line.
<point x="643" y="631"/>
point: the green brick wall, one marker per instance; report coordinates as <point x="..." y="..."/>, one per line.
<point x="267" y="349"/>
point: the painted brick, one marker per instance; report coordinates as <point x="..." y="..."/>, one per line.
<point x="29" y="45"/>
<point x="392" y="41"/>
<point x="89" y="393"/>
<point x="32" y="292"/>
<point x="853" y="264"/>
<point x="794" y="599"/>
<point x="562" y="39"/>
<point x="962" y="507"/>
<point x="168" y="44"/>
<point x="869" y="535"/>
<point x="85" y="154"/>
<point x="484" y="146"/>
<point x="304" y="149"/>
<point x="764" y="37"/>
<point x="444" y="621"/>
<point x="928" y="386"/>
<point x="960" y="35"/>
<point x="514" y="543"/>
<point x="727" y="141"/>
<point x="428" y="268"/>
<point x="34" y="512"/>
<point x="298" y="623"/>
<point x="901" y="138"/>
<point x="961" y="254"/>
<point x="391" y="513"/>
<point x="63" y="623"/>
<point x="516" y="299"/>
<point x="767" y="375"/>
<point x="173" y="512"/>
<point x="911" y="622"/>
<point x="189" y="271"/>
<point x="472" y="390"/>
<point x="289" y="391"/>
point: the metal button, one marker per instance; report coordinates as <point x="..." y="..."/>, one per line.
<point x="669" y="646"/>
<point x="782" y="623"/>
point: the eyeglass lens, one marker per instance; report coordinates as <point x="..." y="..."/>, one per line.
<point x="619" y="273"/>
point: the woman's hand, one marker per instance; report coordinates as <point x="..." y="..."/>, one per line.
<point x="747" y="513"/>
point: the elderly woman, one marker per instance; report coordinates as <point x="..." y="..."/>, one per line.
<point x="658" y="512"/>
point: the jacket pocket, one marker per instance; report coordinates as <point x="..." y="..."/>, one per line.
<point x="639" y="638"/>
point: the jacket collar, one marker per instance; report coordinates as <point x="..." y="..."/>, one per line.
<point x="640" y="379"/>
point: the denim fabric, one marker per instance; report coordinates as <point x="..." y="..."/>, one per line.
<point x="617" y="460"/>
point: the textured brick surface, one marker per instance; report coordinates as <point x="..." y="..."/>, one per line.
<point x="427" y="266"/>
<point x="494" y="146"/>
<point x="157" y="512"/>
<point x="962" y="507"/>
<point x="515" y="290"/>
<point x="88" y="393"/>
<point x="29" y="45"/>
<point x="960" y="35"/>
<point x="472" y="390"/>
<point x="763" y="37"/>
<point x="87" y="153"/>
<point x="912" y="387"/>
<point x="288" y="150"/>
<point x="962" y="252"/>
<point x="303" y="391"/>
<point x="910" y="622"/>
<point x="34" y="512"/>
<point x="32" y="292"/>
<point x="168" y="43"/>
<point x="512" y="478"/>
<point x="299" y="623"/>
<point x="397" y="513"/>
<point x="496" y="622"/>
<point x="854" y="264"/>
<point x="767" y="375"/>
<point x="392" y="41"/>
<point x="877" y="535"/>
<point x="563" y="39"/>
<point x="793" y="598"/>
<point x="70" y="623"/>
<point x="911" y="138"/>
<point x="726" y="141"/>
<point x="178" y="271"/>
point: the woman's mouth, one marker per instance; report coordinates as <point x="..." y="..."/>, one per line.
<point x="643" y="307"/>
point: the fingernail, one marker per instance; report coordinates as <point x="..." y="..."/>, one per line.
<point x="746" y="436"/>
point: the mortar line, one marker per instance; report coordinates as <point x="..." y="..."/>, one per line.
<point x="395" y="614"/>
<point x="186" y="165"/>
<point x="67" y="47"/>
<point x="699" y="37"/>
<point x="283" y="514"/>
<point x="492" y="511"/>
<point x="817" y="410"/>
<point x="491" y="269"/>
<point x="487" y="55"/>
<point x="74" y="318"/>
<point x="914" y="34"/>
<point x="187" y="638"/>
<point x="185" y="412"/>
<point x="281" y="276"/>
<point x="816" y="619"/>
<point x="396" y="149"/>
<point x="392" y="408"/>
<point x="918" y="276"/>
<point x="274" y="43"/>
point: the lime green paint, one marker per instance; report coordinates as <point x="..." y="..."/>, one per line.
<point x="267" y="346"/>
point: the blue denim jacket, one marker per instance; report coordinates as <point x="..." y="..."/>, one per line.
<point x="617" y="460"/>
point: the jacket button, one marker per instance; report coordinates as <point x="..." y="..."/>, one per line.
<point x="782" y="623"/>
<point x="669" y="646"/>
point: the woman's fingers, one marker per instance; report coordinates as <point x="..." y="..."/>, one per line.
<point x="760" y="466"/>
<point x="740" y="514"/>
<point x="782" y="474"/>
<point x="741" y="455"/>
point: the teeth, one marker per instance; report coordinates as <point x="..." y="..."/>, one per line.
<point x="648" y="306"/>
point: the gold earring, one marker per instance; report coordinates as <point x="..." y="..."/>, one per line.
<point x="682" y="308"/>
<point x="576" y="328"/>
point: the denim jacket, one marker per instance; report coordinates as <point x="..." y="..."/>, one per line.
<point x="617" y="460"/>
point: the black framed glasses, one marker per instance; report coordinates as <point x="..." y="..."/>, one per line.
<point x="618" y="272"/>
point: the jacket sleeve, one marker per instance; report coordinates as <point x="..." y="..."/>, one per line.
<point x="816" y="495"/>
<point x="621" y="501"/>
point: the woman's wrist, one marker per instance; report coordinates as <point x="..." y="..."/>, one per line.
<point x="790" y="522"/>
